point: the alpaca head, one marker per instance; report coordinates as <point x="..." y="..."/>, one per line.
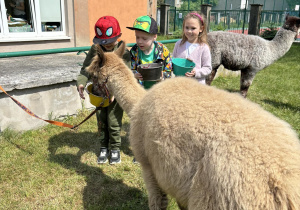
<point x="292" y="23"/>
<point x="104" y="63"/>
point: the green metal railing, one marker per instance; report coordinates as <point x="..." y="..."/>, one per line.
<point x="228" y="20"/>
<point x="62" y="50"/>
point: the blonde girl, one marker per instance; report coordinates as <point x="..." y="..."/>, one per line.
<point x="194" y="46"/>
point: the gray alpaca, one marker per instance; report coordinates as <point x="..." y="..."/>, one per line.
<point x="249" y="53"/>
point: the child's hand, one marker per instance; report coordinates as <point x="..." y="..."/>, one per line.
<point x="80" y="90"/>
<point x="138" y="76"/>
<point x="112" y="99"/>
<point x="190" y="74"/>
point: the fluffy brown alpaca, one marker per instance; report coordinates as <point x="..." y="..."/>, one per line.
<point x="207" y="148"/>
<point x="249" y="53"/>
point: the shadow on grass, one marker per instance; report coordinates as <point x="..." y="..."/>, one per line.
<point x="282" y="105"/>
<point x="101" y="191"/>
<point x="230" y="90"/>
<point x="125" y="144"/>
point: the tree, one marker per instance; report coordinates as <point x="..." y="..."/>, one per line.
<point x="195" y="4"/>
<point x="159" y="2"/>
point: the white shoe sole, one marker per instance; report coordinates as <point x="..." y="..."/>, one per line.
<point x="113" y="163"/>
<point x="100" y="162"/>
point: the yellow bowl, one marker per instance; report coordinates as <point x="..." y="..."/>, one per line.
<point x="96" y="100"/>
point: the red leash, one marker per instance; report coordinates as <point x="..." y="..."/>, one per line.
<point x="61" y="124"/>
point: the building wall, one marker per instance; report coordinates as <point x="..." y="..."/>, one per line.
<point x="170" y="2"/>
<point x="124" y="11"/>
<point x="152" y="9"/>
<point x="276" y="5"/>
<point x="268" y="4"/>
<point x="81" y="22"/>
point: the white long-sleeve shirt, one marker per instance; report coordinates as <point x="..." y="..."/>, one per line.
<point x="200" y="55"/>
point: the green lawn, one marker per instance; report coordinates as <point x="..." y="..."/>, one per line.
<point x="55" y="168"/>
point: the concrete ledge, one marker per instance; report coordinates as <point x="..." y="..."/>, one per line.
<point x="45" y="84"/>
<point x="35" y="71"/>
<point x="47" y="102"/>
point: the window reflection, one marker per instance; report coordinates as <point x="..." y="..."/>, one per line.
<point x="19" y="16"/>
<point x="18" y="9"/>
<point x="51" y="16"/>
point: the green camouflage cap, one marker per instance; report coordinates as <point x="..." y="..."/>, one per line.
<point x="146" y="24"/>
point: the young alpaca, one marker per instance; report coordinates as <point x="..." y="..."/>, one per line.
<point x="207" y="148"/>
<point x="249" y="53"/>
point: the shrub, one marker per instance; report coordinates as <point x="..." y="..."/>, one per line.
<point x="177" y="34"/>
<point x="219" y="27"/>
<point x="269" y="33"/>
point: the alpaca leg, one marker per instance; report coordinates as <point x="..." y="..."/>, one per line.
<point x="157" y="199"/>
<point x="211" y="76"/>
<point x="247" y="77"/>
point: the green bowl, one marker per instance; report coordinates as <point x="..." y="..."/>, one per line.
<point x="181" y="66"/>
<point x="149" y="84"/>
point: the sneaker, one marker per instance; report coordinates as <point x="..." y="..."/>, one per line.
<point x="103" y="157"/>
<point x="115" y="157"/>
<point x="134" y="161"/>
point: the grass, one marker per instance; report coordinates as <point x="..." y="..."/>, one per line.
<point x="55" y="168"/>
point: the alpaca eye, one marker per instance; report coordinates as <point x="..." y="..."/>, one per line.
<point x="109" y="32"/>
<point x="99" y="32"/>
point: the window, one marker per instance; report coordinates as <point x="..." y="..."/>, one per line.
<point x="51" y="16"/>
<point x="31" y="18"/>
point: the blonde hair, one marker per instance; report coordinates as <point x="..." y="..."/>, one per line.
<point x="202" y="37"/>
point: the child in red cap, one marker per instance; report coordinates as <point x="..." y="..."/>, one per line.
<point x="108" y="32"/>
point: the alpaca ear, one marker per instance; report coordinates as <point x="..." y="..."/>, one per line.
<point x="100" y="55"/>
<point x="98" y="61"/>
<point x="287" y="16"/>
<point x="120" y="51"/>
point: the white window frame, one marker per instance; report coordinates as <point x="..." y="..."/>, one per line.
<point x="37" y="34"/>
<point x="2" y="16"/>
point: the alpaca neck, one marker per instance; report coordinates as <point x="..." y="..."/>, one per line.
<point x="282" y="42"/>
<point x="125" y="87"/>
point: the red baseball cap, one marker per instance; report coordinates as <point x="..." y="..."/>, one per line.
<point x="107" y="30"/>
